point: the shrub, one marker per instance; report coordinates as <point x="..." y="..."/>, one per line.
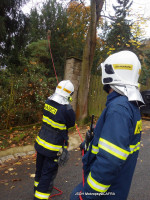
<point x="23" y="96"/>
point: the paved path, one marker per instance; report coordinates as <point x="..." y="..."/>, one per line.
<point x="16" y="177"/>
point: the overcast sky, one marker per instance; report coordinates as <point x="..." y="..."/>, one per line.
<point x="138" y="7"/>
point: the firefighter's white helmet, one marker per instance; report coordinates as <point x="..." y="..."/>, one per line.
<point x="121" y="71"/>
<point x="63" y="92"/>
<point x="65" y="88"/>
<point x="122" y="68"/>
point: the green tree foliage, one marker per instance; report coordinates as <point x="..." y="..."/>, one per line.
<point x="38" y="52"/>
<point x="120" y="36"/>
<point x="53" y="17"/>
<point x="12" y="33"/>
<point x="146" y="67"/>
<point x="78" y="21"/>
<point x="68" y="27"/>
<point x="35" y="32"/>
<point x="23" y="95"/>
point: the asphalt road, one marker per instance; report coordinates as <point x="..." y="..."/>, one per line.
<point x="16" y="177"/>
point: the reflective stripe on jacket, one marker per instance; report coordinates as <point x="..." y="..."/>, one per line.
<point x="110" y="160"/>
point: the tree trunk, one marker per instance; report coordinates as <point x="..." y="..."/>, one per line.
<point x="87" y="60"/>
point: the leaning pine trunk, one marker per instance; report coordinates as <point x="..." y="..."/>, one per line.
<point x="87" y="60"/>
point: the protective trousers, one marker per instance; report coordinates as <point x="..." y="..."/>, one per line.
<point x="46" y="171"/>
<point x="77" y="192"/>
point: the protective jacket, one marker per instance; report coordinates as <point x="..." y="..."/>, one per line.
<point x="57" y="119"/>
<point x="110" y="161"/>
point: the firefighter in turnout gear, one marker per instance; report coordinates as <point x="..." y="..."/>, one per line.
<point x="52" y="140"/>
<point x="112" y="154"/>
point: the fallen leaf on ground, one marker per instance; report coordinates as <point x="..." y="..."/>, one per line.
<point x="14" y="173"/>
<point x="13" y="145"/>
<point x="17" y="179"/>
<point x="10" y="169"/>
<point x="3" y="181"/>
<point x="16" y="131"/>
<point x="18" y="163"/>
<point x="32" y="175"/>
<point x="11" y="136"/>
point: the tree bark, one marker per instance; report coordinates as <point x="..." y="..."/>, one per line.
<point x="87" y="60"/>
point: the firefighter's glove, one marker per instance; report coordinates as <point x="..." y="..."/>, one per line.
<point x="82" y="146"/>
<point x="63" y="158"/>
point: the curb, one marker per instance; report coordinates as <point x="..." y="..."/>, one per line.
<point x="15" y="152"/>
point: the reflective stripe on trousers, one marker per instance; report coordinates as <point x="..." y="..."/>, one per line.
<point x="40" y="195"/>
<point x="36" y="183"/>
